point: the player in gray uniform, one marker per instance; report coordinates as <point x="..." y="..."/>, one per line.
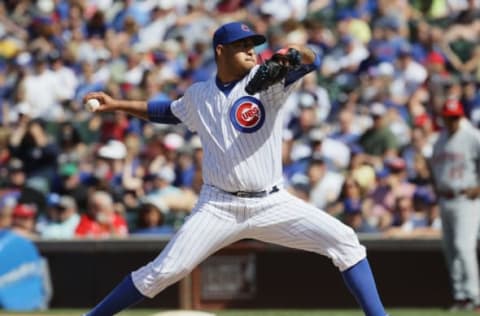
<point x="242" y="196"/>
<point x="455" y="169"/>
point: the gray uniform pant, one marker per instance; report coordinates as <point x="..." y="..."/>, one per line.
<point x="460" y="225"/>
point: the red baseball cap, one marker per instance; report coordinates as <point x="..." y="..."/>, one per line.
<point x="24" y="211"/>
<point x="452" y="107"/>
<point x="435" y="58"/>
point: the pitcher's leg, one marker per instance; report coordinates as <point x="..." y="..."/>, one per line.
<point x="202" y="234"/>
<point x="361" y="283"/>
<point x="294" y="223"/>
<point x="124" y="295"/>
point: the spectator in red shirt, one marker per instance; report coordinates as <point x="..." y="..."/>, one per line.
<point x="101" y="220"/>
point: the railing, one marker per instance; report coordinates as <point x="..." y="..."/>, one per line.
<point x="409" y="272"/>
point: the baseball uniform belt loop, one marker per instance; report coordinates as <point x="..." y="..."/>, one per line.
<point x="257" y="194"/>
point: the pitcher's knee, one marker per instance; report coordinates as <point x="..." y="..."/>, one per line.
<point x="151" y="280"/>
<point x="347" y="251"/>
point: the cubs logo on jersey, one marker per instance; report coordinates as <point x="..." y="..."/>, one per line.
<point x="247" y="114"/>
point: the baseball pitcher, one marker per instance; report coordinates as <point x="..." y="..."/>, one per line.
<point x="238" y="116"/>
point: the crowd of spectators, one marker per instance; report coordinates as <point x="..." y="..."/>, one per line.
<point x="357" y="133"/>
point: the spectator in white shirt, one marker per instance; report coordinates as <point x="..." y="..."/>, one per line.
<point x="346" y="57"/>
<point x="64" y="221"/>
<point x="42" y="90"/>
<point x="326" y="185"/>
<point x="409" y="75"/>
<point x="335" y="153"/>
<point x="64" y="75"/>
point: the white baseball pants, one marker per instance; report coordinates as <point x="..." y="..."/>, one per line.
<point x="220" y="219"/>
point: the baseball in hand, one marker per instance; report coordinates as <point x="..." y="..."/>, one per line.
<point x="92" y="105"/>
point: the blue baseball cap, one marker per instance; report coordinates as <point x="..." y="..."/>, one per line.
<point x="235" y="31"/>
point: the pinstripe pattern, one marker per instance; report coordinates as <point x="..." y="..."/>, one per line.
<point x="206" y="231"/>
<point x="220" y="219"/>
<point x="289" y="221"/>
<point x="236" y="161"/>
<point x="242" y="157"/>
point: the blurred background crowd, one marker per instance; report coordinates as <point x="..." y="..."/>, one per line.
<point x="357" y="133"/>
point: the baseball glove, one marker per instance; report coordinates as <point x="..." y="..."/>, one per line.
<point x="273" y="70"/>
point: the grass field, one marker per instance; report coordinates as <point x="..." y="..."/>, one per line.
<point x="336" y="312"/>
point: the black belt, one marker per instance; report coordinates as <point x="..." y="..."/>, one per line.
<point x="257" y="194"/>
<point x="450" y="194"/>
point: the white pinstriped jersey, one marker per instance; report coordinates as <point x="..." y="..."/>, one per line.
<point x="241" y="137"/>
<point x="240" y="134"/>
